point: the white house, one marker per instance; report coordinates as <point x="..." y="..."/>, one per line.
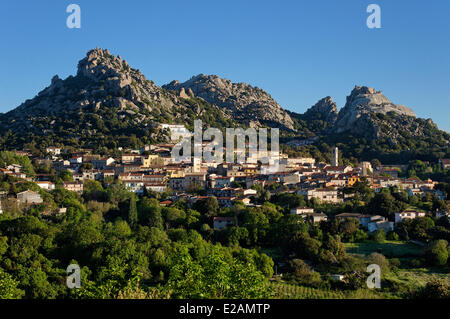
<point x="223" y="181"/>
<point x="102" y="163"/>
<point x="249" y="192"/>
<point x="15" y="168"/>
<point x="408" y="214"/>
<point x="333" y="170"/>
<point x="156" y="187"/>
<point x="303" y="211"/>
<point x="299" y="161"/>
<point x="76" y="160"/>
<point x="134" y="186"/>
<point x="318" y="217"/>
<point x="324" y="194"/>
<point x="46" y="185"/>
<point x="29" y="197"/>
<point x="53" y="150"/>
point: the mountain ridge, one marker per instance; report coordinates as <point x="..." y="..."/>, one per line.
<point x="107" y="97"/>
<point x="251" y="105"/>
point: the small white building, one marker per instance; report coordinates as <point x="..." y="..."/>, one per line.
<point x="318" y="217"/>
<point x="29" y="197"/>
<point x="76" y="186"/>
<point x="156" y="187"/>
<point x="134" y="186"/>
<point x="53" y="150"/>
<point x="408" y="214"/>
<point x="223" y="181"/>
<point x="324" y="194"/>
<point x="250" y="192"/>
<point x="102" y="163"/>
<point x="445" y="163"/>
<point x="46" y="185"/>
<point x="15" y="168"/>
<point x="302" y="210"/>
<point x="76" y="160"/>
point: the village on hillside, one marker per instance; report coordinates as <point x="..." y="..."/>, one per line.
<point x="152" y="169"/>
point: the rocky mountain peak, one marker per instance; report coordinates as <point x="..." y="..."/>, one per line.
<point x="102" y="80"/>
<point x="100" y="64"/>
<point x="363" y="102"/>
<point x="105" y="82"/>
<point x="55" y="79"/>
<point x="249" y="104"/>
<point x="369" y="99"/>
<point x="363" y="90"/>
<point x="325" y="109"/>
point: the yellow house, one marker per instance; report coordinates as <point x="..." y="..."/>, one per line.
<point x="175" y="172"/>
<point x="352" y="180"/>
<point x="150" y="160"/>
<point x="129" y="158"/>
<point x="250" y="169"/>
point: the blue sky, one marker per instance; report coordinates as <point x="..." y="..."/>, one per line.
<point x="298" y="51"/>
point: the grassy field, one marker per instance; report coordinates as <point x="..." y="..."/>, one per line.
<point x="409" y="277"/>
<point x="402" y="279"/>
<point x="284" y="290"/>
<point x="287" y="291"/>
<point x="416" y="277"/>
<point x="390" y="249"/>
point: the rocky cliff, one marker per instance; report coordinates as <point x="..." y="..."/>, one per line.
<point x="104" y="81"/>
<point x="325" y="109"/>
<point x="250" y="105"/>
<point x="361" y="104"/>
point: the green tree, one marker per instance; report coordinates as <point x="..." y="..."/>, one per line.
<point x="384" y="204"/>
<point x="9" y="287"/>
<point x="215" y="276"/>
<point x="237" y="235"/>
<point x="208" y="207"/>
<point x="348" y="228"/>
<point x="379" y="236"/>
<point x="380" y="260"/>
<point x="434" y="289"/>
<point x="437" y="252"/>
<point x="65" y="176"/>
<point x="133" y="213"/>
<point x="8" y="158"/>
<point x="303" y="272"/>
